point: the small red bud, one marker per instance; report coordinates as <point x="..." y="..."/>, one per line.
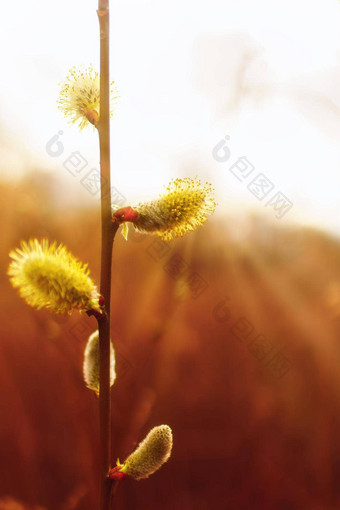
<point x="92" y="116"/>
<point x="125" y="214"/>
<point x="115" y="473"/>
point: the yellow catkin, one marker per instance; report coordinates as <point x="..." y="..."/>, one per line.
<point x="184" y="207"/>
<point x="150" y="454"/>
<point x="49" y="276"/>
<point x="79" y="97"/>
<point x="91" y="363"/>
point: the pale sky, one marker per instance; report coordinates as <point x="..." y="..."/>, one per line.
<point x="265" y="73"/>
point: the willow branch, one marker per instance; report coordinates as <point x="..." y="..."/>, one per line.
<point x="108" y="232"/>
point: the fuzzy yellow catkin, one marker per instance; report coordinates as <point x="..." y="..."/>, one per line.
<point x="184" y="207"/>
<point x="79" y="97"/>
<point x="151" y="453"/>
<point x="91" y="363"/>
<point x="49" y="276"/>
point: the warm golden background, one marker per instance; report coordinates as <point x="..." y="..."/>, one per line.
<point x="255" y="411"/>
<point x="251" y="429"/>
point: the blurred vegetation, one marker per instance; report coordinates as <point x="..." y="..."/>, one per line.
<point x="246" y="434"/>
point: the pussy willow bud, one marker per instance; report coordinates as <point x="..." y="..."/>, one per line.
<point x="79" y="97"/>
<point x="91" y="363"/>
<point x="150" y="455"/>
<point x="49" y="276"/>
<point x="184" y="207"/>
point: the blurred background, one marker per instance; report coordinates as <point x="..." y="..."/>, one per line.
<point x="229" y="335"/>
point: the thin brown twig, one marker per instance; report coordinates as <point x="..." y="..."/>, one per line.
<point x="108" y="231"/>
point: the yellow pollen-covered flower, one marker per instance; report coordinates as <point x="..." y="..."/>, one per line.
<point x="150" y="454"/>
<point x="49" y="276"/>
<point x="184" y="207"/>
<point x="91" y="363"/>
<point x="79" y="97"/>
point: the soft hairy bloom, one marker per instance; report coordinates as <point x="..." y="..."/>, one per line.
<point x="79" y="97"/>
<point x="184" y="207"/>
<point x="91" y="363"/>
<point x="48" y="275"/>
<point x="150" y="454"/>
